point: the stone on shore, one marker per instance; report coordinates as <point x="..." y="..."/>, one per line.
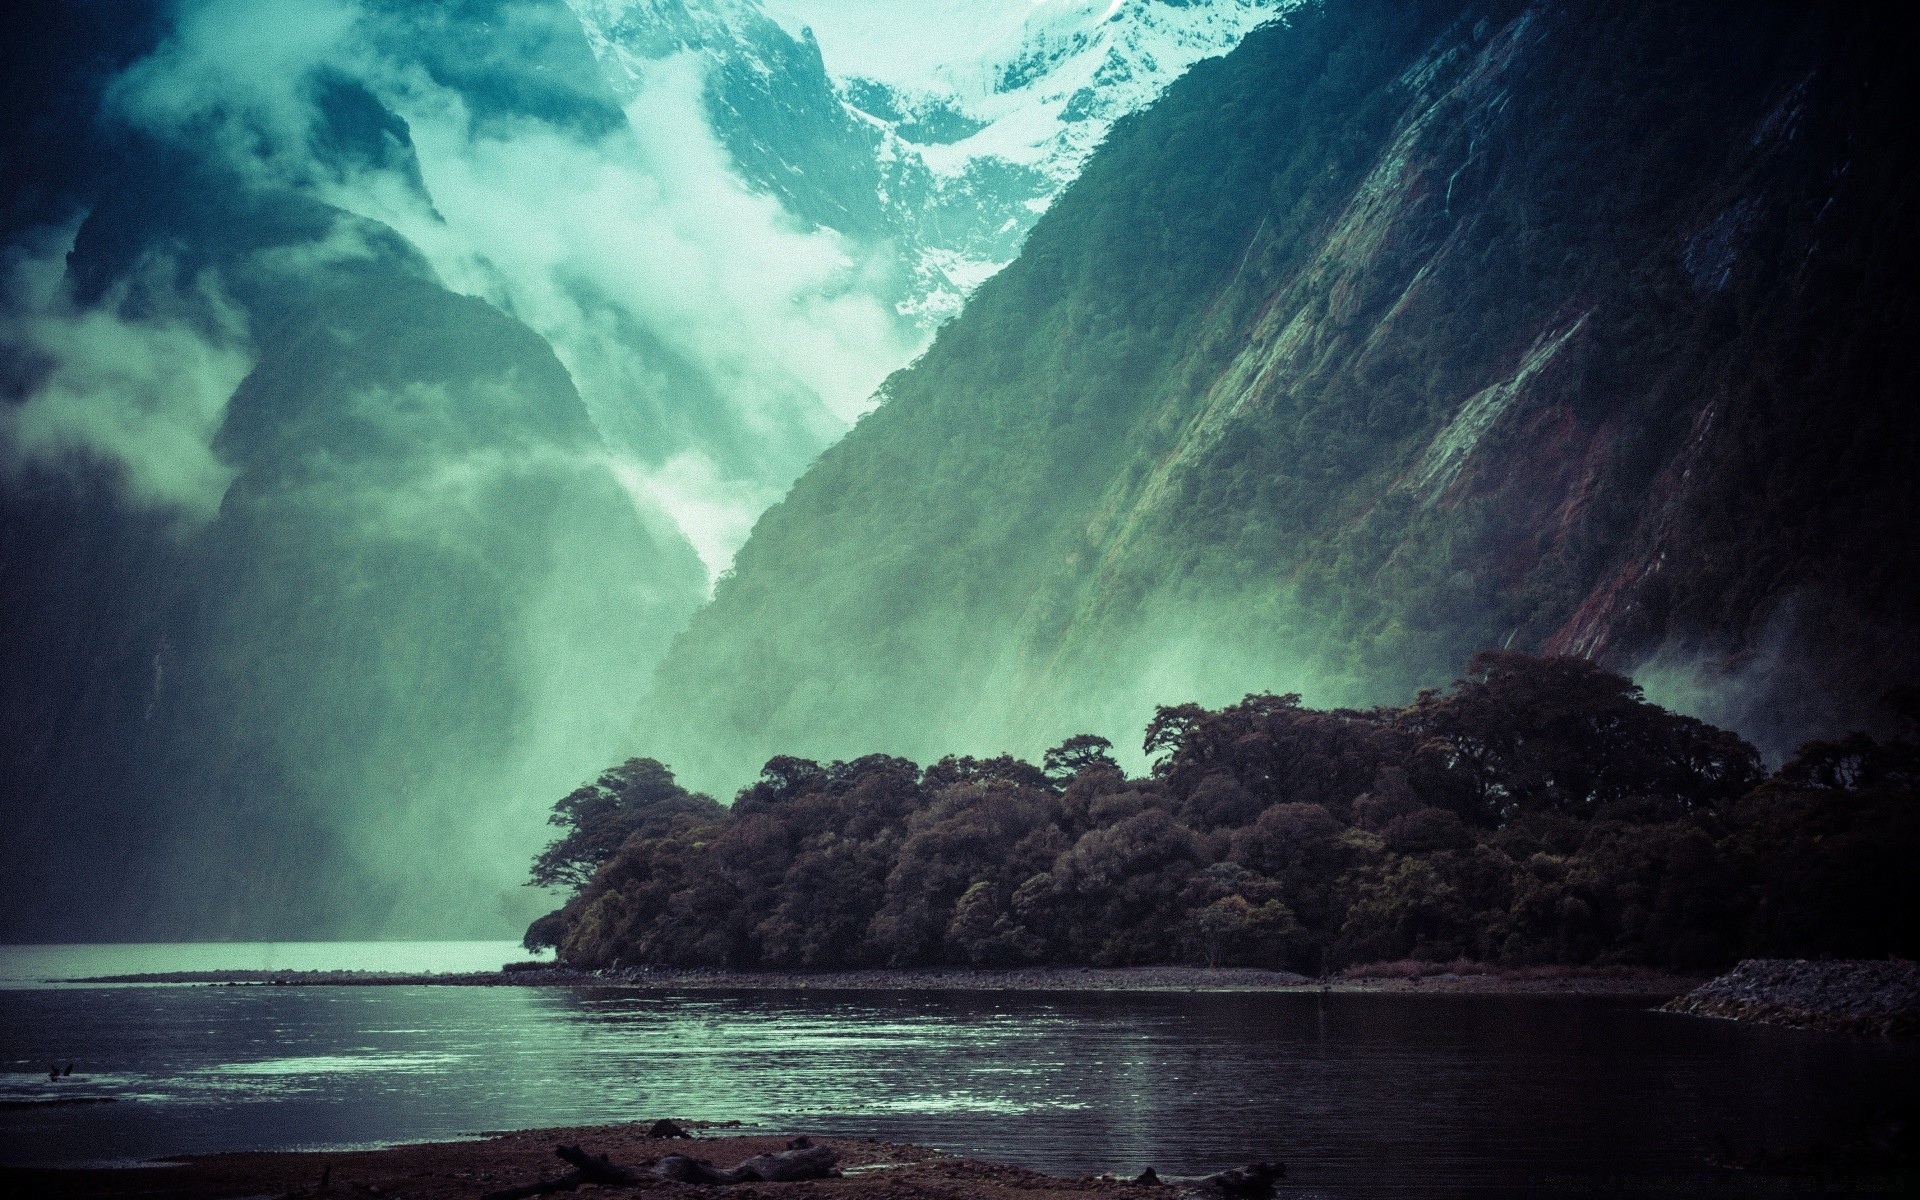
<point x="1877" y="997"/>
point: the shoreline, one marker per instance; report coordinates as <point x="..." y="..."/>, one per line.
<point x="521" y="1163"/>
<point x="1398" y="978"/>
<point x="1863" y="998"/>
<point x="498" y="1161"/>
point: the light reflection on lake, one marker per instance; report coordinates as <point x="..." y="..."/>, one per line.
<point x="29" y="965"/>
<point x="1363" y="1095"/>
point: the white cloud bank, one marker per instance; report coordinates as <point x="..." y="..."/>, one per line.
<point x="145" y="392"/>
<point x="641" y="257"/>
<point x="718" y="344"/>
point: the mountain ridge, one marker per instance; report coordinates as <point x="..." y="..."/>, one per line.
<point x="953" y="165"/>
<point x="384" y="383"/>
<point x="1435" y="376"/>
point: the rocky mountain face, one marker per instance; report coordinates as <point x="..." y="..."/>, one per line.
<point x="319" y="578"/>
<point x="1399" y="332"/>
<point x="362" y="443"/>
<point x="385" y="382"/>
<point x="768" y="94"/>
<point x="950" y="165"/>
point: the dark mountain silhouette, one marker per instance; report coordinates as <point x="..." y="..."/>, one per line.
<point x="320" y="707"/>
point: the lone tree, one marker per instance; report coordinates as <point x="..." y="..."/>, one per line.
<point x="638" y="796"/>
<point x="1078" y="753"/>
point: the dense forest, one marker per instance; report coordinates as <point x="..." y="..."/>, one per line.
<point x="1401" y="331"/>
<point x="1540" y="810"/>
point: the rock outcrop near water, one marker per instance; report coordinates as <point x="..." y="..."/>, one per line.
<point x="1840" y="997"/>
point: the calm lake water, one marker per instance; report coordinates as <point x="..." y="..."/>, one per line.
<point x="1362" y="1095"/>
<point x="36" y="964"/>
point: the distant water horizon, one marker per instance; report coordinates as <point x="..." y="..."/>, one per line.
<point x="28" y="965"/>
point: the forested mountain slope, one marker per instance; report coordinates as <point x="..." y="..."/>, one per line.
<point x="382" y="383"/>
<point x="1402" y="331"/>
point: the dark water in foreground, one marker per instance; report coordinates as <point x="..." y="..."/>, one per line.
<point x="1362" y="1095"/>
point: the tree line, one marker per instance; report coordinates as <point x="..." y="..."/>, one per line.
<point x="1540" y="810"/>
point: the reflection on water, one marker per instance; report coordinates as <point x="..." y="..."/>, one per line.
<point x="1361" y="1095"/>
<point x="33" y="964"/>
<point x="330" y="1064"/>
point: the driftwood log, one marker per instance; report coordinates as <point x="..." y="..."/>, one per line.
<point x="802" y="1160"/>
<point x="788" y="1166"/>
<point x="587" y="1168"/>
<point x="1254" y="1181"/>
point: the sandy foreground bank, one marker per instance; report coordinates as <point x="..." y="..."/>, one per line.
<point x="1434" y="979"/>
<point x="872" y="1170"/>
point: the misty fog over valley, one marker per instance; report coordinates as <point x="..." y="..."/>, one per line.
<point x="413" y="411"/>
<point x="876" y="599"/>
<point x="392" y="381"/>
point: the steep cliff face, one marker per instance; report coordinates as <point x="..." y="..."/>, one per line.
<point x="310" y="659"/>
<point x="1395" y="334"/>
<point x="769" y="96"/>
<point x="336" y="705"/>
<point x="380" y="385"/>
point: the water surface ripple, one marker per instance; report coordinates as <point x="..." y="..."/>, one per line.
<point x="1363" y="1095"/>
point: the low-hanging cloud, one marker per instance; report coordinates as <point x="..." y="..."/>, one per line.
<point x="718" y="344"/>
<point x="233" y="81"/>
<point x="643" y="248"/>
<point x="1774" y="687"/>
<point x="145" y="391"/>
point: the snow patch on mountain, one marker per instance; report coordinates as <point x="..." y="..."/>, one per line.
<point x="629" y="35"/>
<point x="944" y="127"/>
<point x="1047" y="79"/>
<point x="1003" y="101"/>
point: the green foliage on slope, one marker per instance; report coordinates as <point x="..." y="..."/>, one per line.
<point x="920" y="537"/>
<point x="1398" y="332"/>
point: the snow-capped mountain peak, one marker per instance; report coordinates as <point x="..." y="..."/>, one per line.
<point x="1002" y="129"/>
<point x="966" y="117"/>
<point x="1030" y="69"/>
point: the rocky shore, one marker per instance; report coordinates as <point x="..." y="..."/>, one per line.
<point x="1391" y="977"/>
<point x="1879" y="998"/>
<point x="868" y="1170"/>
